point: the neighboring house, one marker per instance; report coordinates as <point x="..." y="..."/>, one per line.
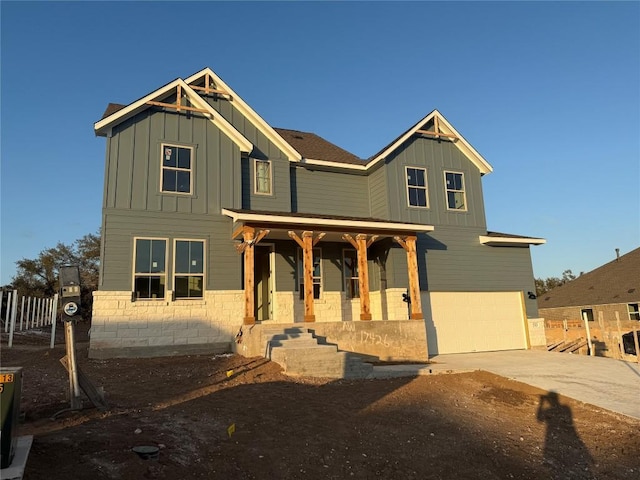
<point x="212" y="219"/>
<point x="608" y="298"/>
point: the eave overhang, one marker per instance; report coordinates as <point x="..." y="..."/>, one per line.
<point x="299" y="221"/>
<point x="508" y="241"/>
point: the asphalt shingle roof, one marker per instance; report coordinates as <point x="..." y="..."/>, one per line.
<point x="615" y="282"/>
<point x="314" y="147"/>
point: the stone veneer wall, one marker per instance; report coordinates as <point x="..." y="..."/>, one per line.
<point x="122" y="328"/>
<point x="334" y="306"/>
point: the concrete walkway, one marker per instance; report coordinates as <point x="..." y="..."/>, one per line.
<point x="604" y="382"/>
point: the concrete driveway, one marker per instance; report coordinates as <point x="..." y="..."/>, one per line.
<point x="607" y="383"/>
<point x="604" y="382"/>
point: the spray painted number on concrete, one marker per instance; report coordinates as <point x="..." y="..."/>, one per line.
<point x="373" y="339"/>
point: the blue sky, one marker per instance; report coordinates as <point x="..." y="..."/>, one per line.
<point x="547" y="92"/>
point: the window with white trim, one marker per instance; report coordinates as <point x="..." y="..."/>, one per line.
<point x="262" y="177"/>
<point x="177" y="169"/>
<point x="634" y="311"/>
<point x="350" y="272"/>
<point x="188" y="272"/>
<point x="417" y="187"/>
<point x="454" y="189"/>
<point x="150" y="273"/>
<point x="316" y="273"/>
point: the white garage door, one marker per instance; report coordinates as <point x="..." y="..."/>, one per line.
<point x="459" y="322"/>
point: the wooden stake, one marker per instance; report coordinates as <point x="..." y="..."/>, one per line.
<point x="620" y="344"/>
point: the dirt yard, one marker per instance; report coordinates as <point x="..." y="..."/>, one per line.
<point x="458" y="426"/>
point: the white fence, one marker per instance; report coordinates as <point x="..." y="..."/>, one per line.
<point x="26" y="313"/>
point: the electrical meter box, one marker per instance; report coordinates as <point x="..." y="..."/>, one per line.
<point x="70" y="290"/>
<point x="10" y="393"/>
<point x="70" y="281"/>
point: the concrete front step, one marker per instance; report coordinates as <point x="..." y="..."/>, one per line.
<point x="299" y="354"/>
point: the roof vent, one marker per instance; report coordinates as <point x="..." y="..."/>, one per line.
<point x="617" y="254"/>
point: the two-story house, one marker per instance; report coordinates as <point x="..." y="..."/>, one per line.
<point x="214" y="220"/>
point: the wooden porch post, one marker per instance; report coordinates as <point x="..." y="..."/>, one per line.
<point x="307" y="255"/>
<point x="363" y="277"/>
<point x="409" y="244"/>
<point x="361" y="244"/>
<point x="248" y="236"/>
<point x="307" y="243"/>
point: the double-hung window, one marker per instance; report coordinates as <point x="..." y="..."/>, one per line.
<point x="316" y="273"/>
<point x="417" y="187"/>
<point x="188" y="273"/>
<point x="634" y="311"/>
<point x="350" y="269"/>
<point x="262" y="177"/>
<point x="177" y="169"/>
<point x="454" y="189"/>
<point x="150" y="274"/>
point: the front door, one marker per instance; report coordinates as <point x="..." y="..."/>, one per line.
<point x="263" y="293"/>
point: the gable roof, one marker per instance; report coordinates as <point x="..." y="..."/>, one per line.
<point x="117" y="115"/>
<point x="314" y="147"/>
<point x="249" y="113"/>
<point x="446" y="128"/>
<point x="615" y="282"/>
<point x="298" y="146"/>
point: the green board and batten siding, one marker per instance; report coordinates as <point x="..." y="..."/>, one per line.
<point x="134" y="205"/>
<point x="452" y="258"/>
<point x="436" y="157"/>
<point x="331" y="193"/>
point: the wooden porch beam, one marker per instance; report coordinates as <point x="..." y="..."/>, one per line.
<point x="318" y="238"/>
<point x="237" y="232"/>
<point x="260" y="236"/>
<point x="295" y="237"/>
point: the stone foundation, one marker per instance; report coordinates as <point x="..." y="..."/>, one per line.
<point x="122" y="328"/>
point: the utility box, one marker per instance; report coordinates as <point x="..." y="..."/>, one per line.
<point x="10" y="393"/>
<point x="70" y="290"/>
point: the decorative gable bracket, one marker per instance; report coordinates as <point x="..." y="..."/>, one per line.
<point x="436" y="132"/>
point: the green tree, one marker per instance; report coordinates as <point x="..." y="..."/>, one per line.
<point x="38" y="277"/>
<point x="547" y="284"/>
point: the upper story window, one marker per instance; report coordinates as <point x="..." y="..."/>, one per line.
<point x="454" y="187"/>
<point x="316" y="273"/>
<point x="262" y="177"/>
<point x="634" y="311"/>
<point x="350" y="271"/>
<point x="417" y="187"/>
<point x="177" y="168"/>
<point x="188" y="273"/>
<point x="150" y="274"/>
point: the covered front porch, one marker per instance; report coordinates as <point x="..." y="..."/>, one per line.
<point x="297" y="265"/>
